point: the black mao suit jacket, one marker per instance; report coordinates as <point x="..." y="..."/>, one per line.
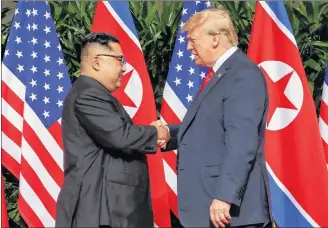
<point x="106" y="174"/>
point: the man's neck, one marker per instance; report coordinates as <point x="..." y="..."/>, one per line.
<point x="223" y="57"/>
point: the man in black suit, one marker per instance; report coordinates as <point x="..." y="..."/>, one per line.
<point x="106" y="174"/>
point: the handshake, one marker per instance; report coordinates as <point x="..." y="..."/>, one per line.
<point x="163" y="133"/>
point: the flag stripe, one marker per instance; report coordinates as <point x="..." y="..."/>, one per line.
<point x="274" y="17"/>
<point x="324" y="113"/>
<point x="174" y="102"/>
<point x="55" y="132"/>
<point x="44" y="136"/>
<point x="35" y="203"/>
<point x="11" y="131"/>
<point x="42" y="169"/>
<point x="168" y="114"/>
<point x="324" y="96"/>
<point x="171" y="177"/>
<point x="325" y="148"/>
<point x="27" y="213"/>
<point x="42" y="189"/>
<point x="16" y="103"/>
<point x="10" y="163"/>
<point x="283" y="196"/>
<point x="171" y="160"/>
<point x="11" y="148"/>
<point x="42" y="157"/>
<point x="13" y="82"/>
<point x="173" y="201"/>
<point x="122" y="24"/>
<point x="11" y="115"/>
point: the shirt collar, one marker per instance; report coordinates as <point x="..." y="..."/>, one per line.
<point x="224" y="57"/>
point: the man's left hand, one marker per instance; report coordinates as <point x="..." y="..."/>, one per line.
<point x="220" y="213"/>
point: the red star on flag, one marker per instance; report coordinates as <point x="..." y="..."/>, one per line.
<point x="277" y="97"/>
<point x="121" y="95"/>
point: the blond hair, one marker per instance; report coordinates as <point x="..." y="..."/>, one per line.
<point x="213" y="21"/>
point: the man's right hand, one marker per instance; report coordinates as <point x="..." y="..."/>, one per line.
<point x="163" y="133"/>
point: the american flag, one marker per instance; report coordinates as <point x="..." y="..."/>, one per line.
<point x="183" y="81"/>
<point x="34" y="84"/>
<point x="323" y="118"/>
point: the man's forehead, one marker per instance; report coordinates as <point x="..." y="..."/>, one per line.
<point x="115" y="47"/>
<point x="194" y="32"/>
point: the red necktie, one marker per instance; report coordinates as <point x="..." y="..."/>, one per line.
<point x="206" y="80"/>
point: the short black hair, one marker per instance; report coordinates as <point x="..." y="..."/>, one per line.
<point x="101" y="38"/>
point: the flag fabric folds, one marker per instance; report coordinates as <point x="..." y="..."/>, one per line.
<point x="34" y="84"/>
<point x="294" y="153"/>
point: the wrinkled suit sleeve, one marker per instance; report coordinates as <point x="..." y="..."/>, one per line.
<point x="101" y="120"/>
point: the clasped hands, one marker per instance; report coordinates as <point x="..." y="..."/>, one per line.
<point x="163" y="133"/>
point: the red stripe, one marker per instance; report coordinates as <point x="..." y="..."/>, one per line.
<point x="325" y="148"/>
<point x="11" y="131"/>
<point x="170" y="157"/>
<point x="28" y="214"/>
<point x="40" y="190"/>
<point x="12" y="99"/>
<point x="173" y="201"/>
<point x="55" y="131"/>
<point x="46" y="159"/>
<point x="10" y="163"/>
<point x="171" y="160"/>
<point x="324" y="112"/>
<point x="168" y="114"/>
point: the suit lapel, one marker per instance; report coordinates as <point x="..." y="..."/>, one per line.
<point x="219" y="74"/>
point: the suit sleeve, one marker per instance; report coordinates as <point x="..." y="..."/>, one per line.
<point x="98" y="116"/>
<point x="172" y="144"/>
<point x="244" y="107"/>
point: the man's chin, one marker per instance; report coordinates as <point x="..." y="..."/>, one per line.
<point x="199" y="63"/>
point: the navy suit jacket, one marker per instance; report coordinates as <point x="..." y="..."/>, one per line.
<point x="221" y="147"/>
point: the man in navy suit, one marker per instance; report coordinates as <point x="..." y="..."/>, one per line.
<point x="222" y="177"/>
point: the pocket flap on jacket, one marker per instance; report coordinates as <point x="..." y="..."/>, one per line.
<point x="121" y="177"/>
<point x="212" y="171"/>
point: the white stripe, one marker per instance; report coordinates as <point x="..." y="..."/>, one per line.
<point x="13" y="82"/>
<point x="59" y="121"/>
<point x="290" y="196"/>
<point x="174" y="102"/>
<point x="282" y="27"/>
<point x="12" y="116"/>
<point x="323" y="129"/>
<point x="170" y="177"/>
<point x="122" y="24"/>
<point x="324" y="96"/>
<point x="11" y="148"/>
<point x="33" y="160"/>
<point x="155" y="226"/>
<point x="35" y="203"/>
<point x="45" y="137"/>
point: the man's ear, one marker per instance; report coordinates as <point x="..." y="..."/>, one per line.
<point x="96" y="63"/>
<point x="216" y="40"/>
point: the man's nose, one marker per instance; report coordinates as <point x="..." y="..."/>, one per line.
<point x="124" y="68"/>
<point x="189" y="46"/>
